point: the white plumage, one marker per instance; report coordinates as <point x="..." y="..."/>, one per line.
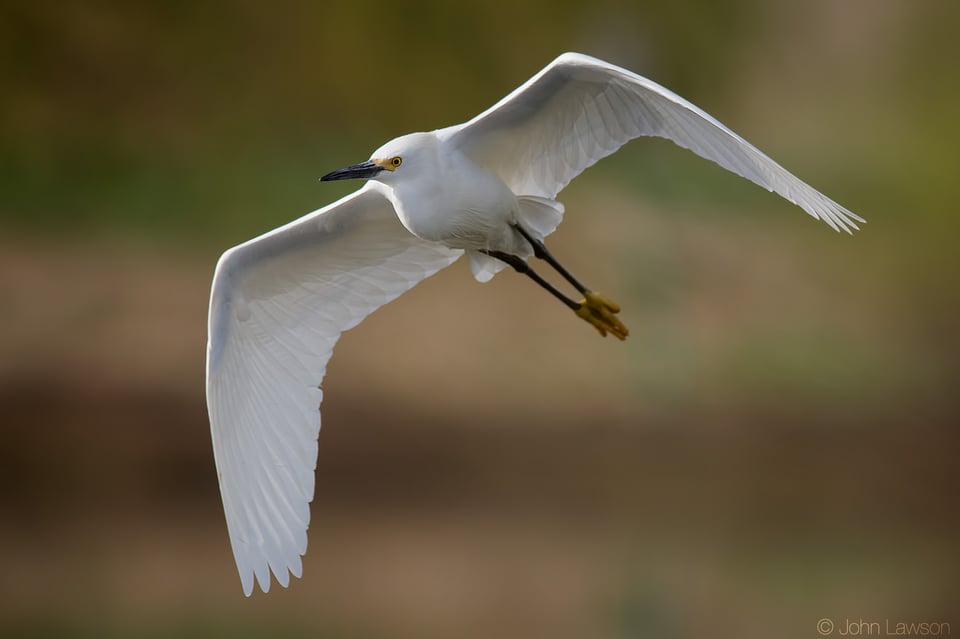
<point x="279" y="302"/>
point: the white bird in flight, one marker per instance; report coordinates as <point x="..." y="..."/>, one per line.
<point x="485" y="188"/>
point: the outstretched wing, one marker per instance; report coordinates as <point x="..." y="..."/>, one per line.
<point x="278" y="305"/>
<point x="579" y="110"/>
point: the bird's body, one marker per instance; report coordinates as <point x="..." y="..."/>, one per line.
<point x="486" y="188"/>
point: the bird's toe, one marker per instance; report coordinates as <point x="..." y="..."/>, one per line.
<point x="600" y="313"/>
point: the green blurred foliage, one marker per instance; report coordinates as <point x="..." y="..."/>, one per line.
<point x="189" y="116"/>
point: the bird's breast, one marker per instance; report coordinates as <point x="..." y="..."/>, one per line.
<point x="471" y="213"/>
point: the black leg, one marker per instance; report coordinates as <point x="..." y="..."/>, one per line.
<point x="595" y="309"/>
<point x="540" y="252"/>
<point x="520" y="266"/>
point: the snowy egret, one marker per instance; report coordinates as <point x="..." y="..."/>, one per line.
<point x="484" y="188"/>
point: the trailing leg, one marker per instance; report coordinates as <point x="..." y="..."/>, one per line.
<point x="593" y="308"/>
<point x="520" y="266"/>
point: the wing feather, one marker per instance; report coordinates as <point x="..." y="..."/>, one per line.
<point x="579" y="110"/>
<point x="277" y="308"/>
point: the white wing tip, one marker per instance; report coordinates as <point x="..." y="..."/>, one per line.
<point x="839" y="218"/>
<point x="261" y="575"/>
<point x="818" y="205"/>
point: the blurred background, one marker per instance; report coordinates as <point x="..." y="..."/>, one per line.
<point x="775" y="445"/>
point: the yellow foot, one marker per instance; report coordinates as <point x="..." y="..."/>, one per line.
<point x="600" y="313"/>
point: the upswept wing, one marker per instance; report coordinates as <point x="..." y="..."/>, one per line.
<point x="579" y="110"/>
<point x="277" y="307"/>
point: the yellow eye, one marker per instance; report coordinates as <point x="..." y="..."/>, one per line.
<point x="396" y="161"/>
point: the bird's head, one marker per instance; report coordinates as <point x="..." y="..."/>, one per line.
<point x="400" y="158"/>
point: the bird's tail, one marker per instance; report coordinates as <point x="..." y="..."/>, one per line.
<point x="540" y="216"/>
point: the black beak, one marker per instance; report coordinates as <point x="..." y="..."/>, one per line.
<point x="363" y="170"/>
